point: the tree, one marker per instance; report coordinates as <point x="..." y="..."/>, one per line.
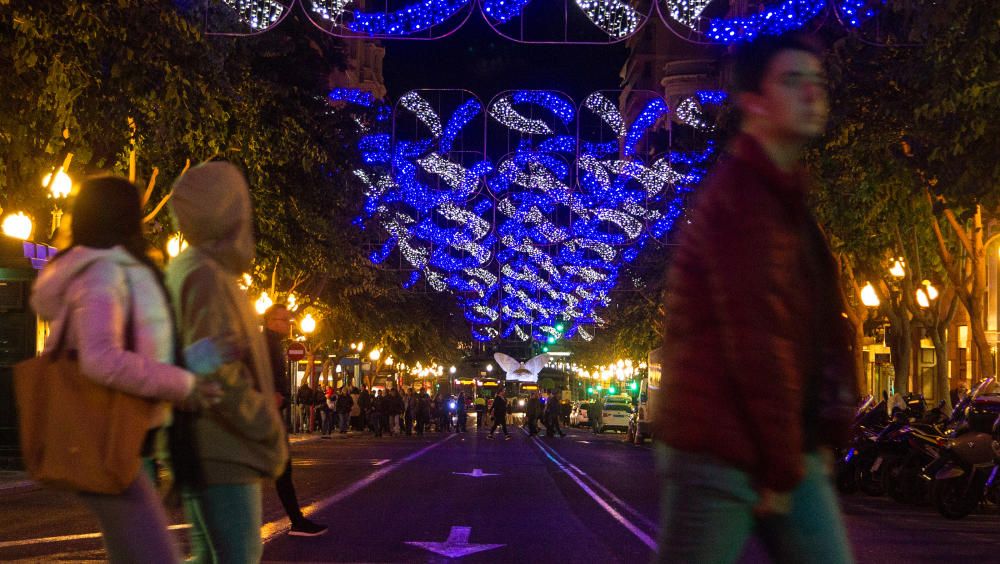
<point x="912" y="123"/>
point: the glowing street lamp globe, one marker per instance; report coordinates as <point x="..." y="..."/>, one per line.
<point x="18" y="226"/>
<point x="869" y="297"/>
<point x="61" y="186"/>
<point x="263" y="303"/>
<point x="375" y="355"/>
<point x="307" y="324"/>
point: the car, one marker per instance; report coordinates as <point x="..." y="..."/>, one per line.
<point x="614" y="416"/>
<point x="580" y="416"/>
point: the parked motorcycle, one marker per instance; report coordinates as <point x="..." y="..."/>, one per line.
<point x="965" y="473"/>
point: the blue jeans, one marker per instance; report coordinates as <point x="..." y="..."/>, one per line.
<point x="225" y="523"/>
<point x="706" y="514"/>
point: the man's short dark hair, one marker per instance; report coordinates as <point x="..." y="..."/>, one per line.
<point x="751" y="60"/>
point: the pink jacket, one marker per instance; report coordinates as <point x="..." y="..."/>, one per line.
<point x="92" y="287"/>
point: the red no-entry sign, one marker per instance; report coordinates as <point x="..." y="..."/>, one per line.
<point x="296" y="351"/>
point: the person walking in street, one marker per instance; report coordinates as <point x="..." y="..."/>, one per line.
<point x="345" y="403"/>
<point x="365" y="407"/>
<point x="423" y="411"/>
<point x="277" y="329"/>
<point x="378" y="410"/>
<point x="553" y="413"/>
<point x="105" y="299"/>
<point x="462" y="414"/>
<point x="240" y="441"/>
<point x="357" y="416"/>
<point x="480" y="403"/>
<point x="409" y="411"/>
<point x="531" y="412"/>
<point x="395" y="411"/>
<point x="499" y="412"/>
<point x="747" y="433"/>
<point x="304" y="401"/>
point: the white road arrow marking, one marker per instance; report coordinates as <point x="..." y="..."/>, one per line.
<point x="476" y="473"/>
<point x="457" y="544"/>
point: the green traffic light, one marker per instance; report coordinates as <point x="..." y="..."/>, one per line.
<point x="550" y="340"/>
<point x="612" y="391"/>
<point x="633" y="386"/>
<point x="560" y="327"/>
<point x="590" y="390"/>
<point x="545" y="349"/>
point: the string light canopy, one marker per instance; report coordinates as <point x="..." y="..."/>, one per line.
<point x="537" y="236"/>
<point x="584" y="21"/>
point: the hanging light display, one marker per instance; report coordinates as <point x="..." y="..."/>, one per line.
<point x="531" y="242"/>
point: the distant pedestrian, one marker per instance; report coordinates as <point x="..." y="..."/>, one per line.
<point x="345" y="404"/>
<point x="747" y="431"/>
<point x="409" y="411"/>
<point x="553" y="413"/>
<point x="531" y="413"/>
<point x="462" y="414"/>
<point x="480" y="403"/>
<point x="499" y="412"/>
<point x="423" y="413"/>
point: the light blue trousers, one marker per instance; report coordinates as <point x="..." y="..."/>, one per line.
<point x="225" y="523"/>
<point x="706" y="514"/>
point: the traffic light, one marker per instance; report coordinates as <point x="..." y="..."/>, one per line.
<point x="545" y="349"/>
<point x="612" y="390"/>
<point x="633" y="385"/>
<point x="560" y="327"/>
<point x="550" y="340"/>
<point x="590" y="390"/>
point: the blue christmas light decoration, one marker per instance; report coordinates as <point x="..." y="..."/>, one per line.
<point x="354" y="96"/>
<point x="788" y="15"/>
<point x="502" y="11"/>
<point x="855" y="12"/>
<point x="544" y="242"/>
<point x="716" y="97"/>
<point x="416" y="17"/>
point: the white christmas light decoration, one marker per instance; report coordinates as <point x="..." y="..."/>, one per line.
<point x="614" y="17"/>
<point x="258" y="14"/>
<point x="423" y="110"/>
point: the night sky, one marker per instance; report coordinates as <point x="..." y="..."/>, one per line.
<point x="476" y="58"/>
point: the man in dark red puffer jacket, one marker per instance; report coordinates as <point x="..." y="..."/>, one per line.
<point x="759" y="377"/>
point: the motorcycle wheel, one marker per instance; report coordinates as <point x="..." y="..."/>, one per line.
<point x="847" y="479"/>
<point x="950" y="498"/>
<point x="872" y="483"/>
<point x="894" y="477"/>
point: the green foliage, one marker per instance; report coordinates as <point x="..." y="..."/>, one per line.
<point x="87" y="67"/>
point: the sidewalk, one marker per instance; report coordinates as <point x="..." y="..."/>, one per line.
<point x="13" y="480"/>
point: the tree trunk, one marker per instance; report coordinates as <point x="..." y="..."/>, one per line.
<point x="902" y="357"/>
<point x="941" y="385"/>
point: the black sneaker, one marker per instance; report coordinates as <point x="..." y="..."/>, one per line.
<point x="307" y="528"/>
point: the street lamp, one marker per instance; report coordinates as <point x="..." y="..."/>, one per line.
<point x="59" y="187"/>
<point x="898" y="269"/>
<point x="175" y="245"/>
<point x="489" y="368"/>
<point x="263" y="303"/>
<point x="307" y="324"/>
<point x="375" y="355"/>
<point x="452" y="370"/>
<point x="18" y="226"/>
<point x="869" y="297"/>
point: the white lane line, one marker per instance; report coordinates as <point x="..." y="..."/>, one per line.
<point x="274" y="528"/>
<point x="67" y="538"/>
<point x="381" y="462"/>
<point x="624" y="521"/>
<point x="608" y="493"/>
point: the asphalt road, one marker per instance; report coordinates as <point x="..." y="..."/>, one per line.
<point x="581" y="499"/>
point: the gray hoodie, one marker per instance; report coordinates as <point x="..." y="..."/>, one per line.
<point x="240" y="439"/>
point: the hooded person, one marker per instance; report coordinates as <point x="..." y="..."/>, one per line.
<point x="240" y="440"/>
